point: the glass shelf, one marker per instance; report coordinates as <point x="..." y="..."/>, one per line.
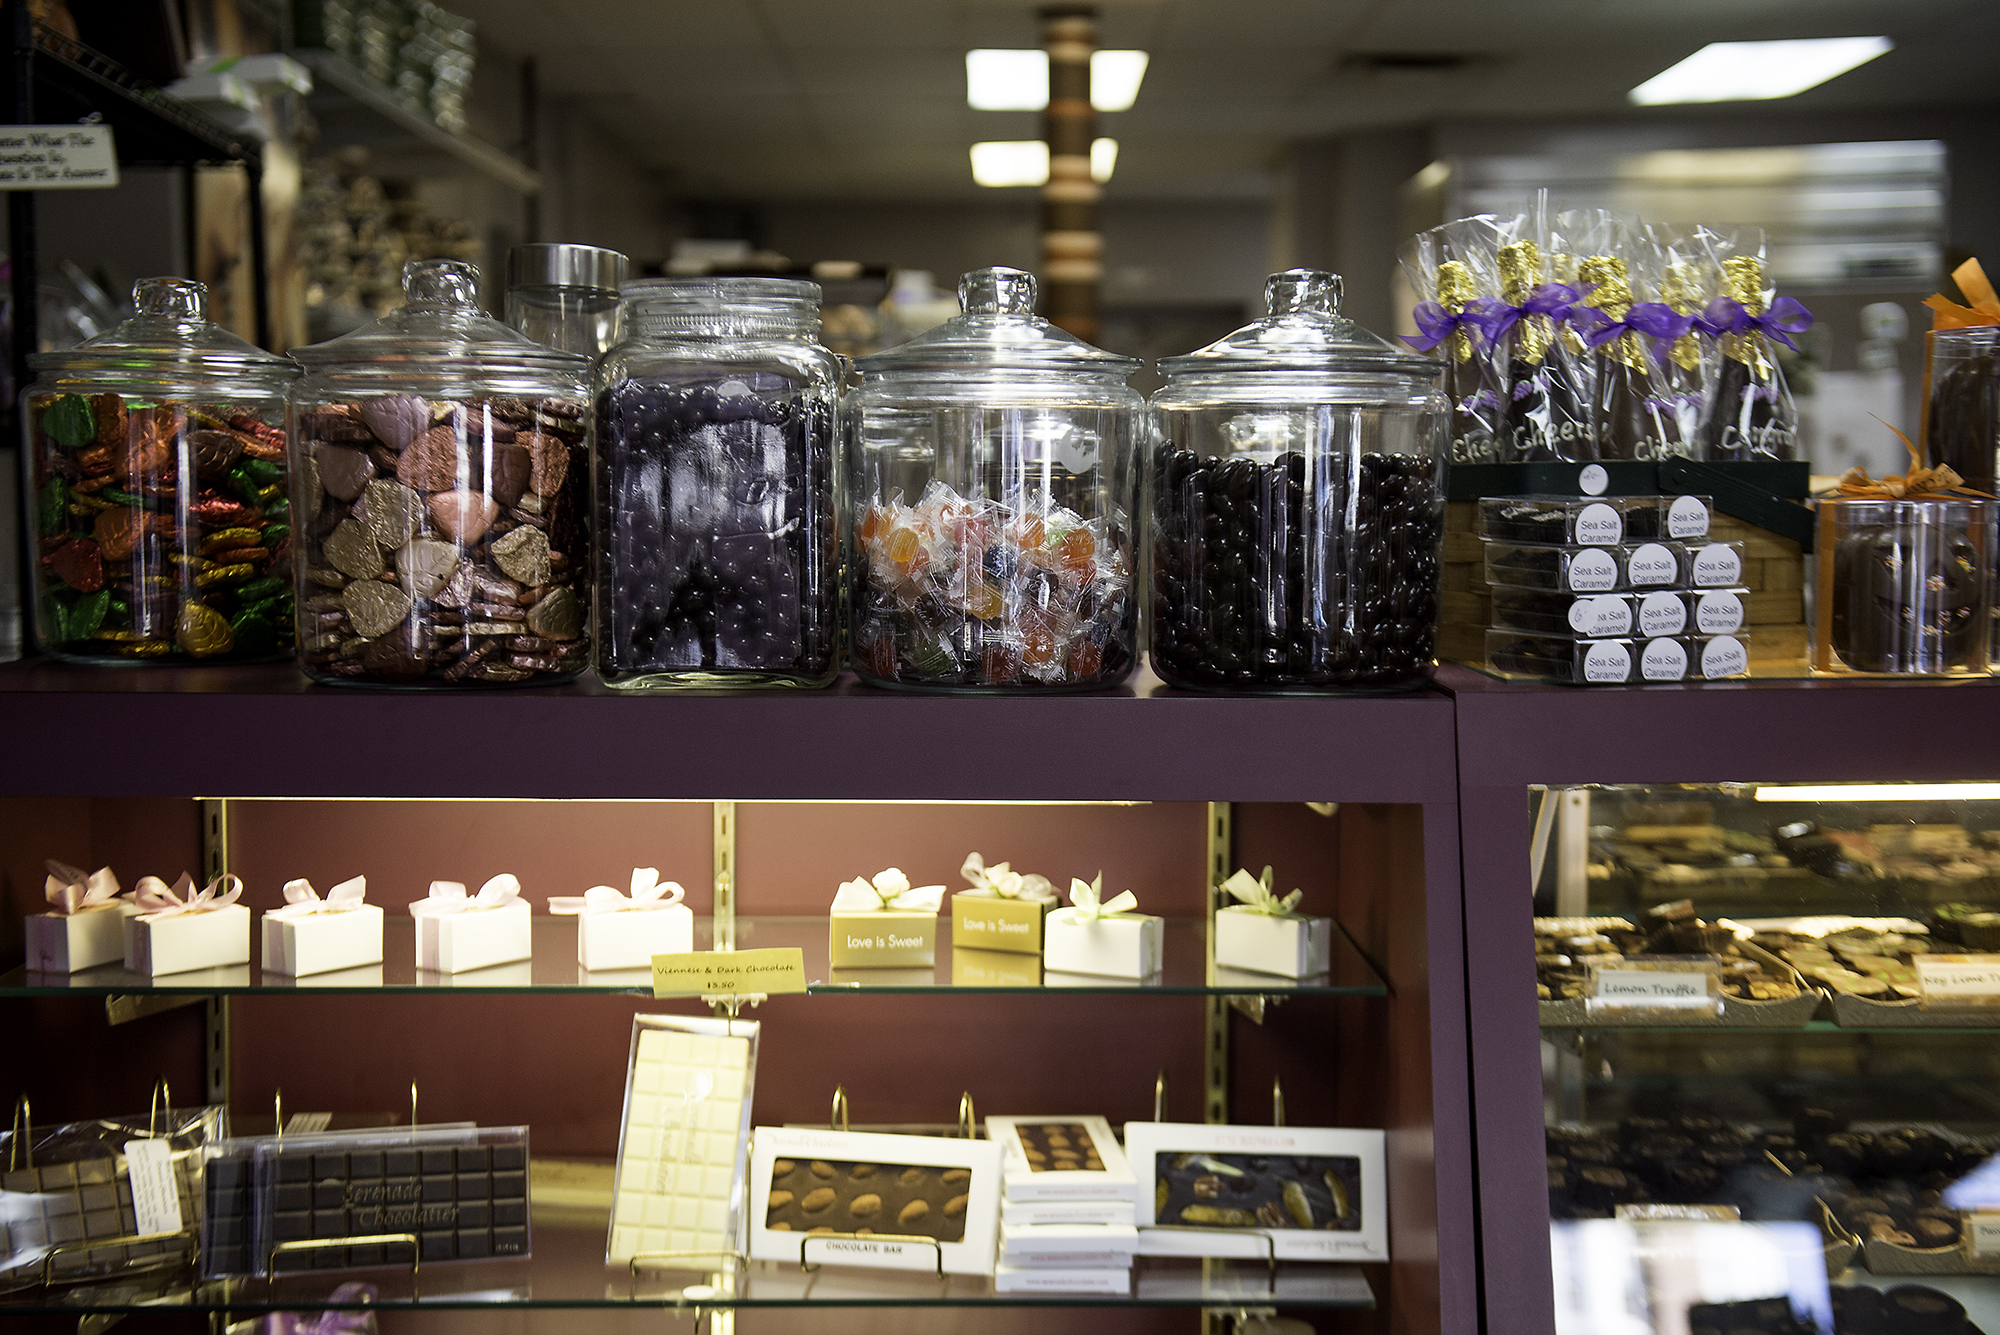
<point x="1774" y="1031"/>
<point x="554" y="970"/>
<point x="568" y="1271"/>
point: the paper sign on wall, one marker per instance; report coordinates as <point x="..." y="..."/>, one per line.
<point x="57" y="157"/>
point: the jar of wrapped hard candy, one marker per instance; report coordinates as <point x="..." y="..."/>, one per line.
<point x="1298" y="504"/>
<point x="994" y="499"/>
<point x="440" y="485"/>
<point x="156" y="490"/>
<point x="716" y="521"/>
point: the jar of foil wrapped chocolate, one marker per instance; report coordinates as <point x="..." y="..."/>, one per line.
<point x="1904" y="586"/>
<point x="1298" y="504"/>
<point x="156" y="490"/>
<point x="716" y="511"/>
<point x="440" y="487"/>
<point x="994" y="502"/>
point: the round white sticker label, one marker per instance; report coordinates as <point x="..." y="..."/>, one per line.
<point x="1593" y="571"/>
<point x="1663" y="660"/>
<point x="1724" y="656"/>
<point x="1717" y="566"/>
<point x="1607" y="660"/>
<point x="1593" y="480"/>
<point x="1718" y="613"/>
<point x="1662" y="614"/>
<point x="1652" y="563"/>
<point x="1687" y="517"/>
<point x="1605" y="614"/>
<point x="1600" y="525"/>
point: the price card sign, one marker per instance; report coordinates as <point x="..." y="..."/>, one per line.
<point x="730" y="972"/>
<point x="1959" y="980"/>
<point x="57" y="157"/>
<point x="1626" y="988"/>
<point x="1982" y="1235"/>
<point x="1700" y="1213"/>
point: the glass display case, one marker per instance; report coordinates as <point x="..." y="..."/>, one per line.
<point x="1770" y="1055"/>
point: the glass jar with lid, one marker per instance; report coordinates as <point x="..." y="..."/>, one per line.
<point x="564" y="296"/>
<point x="718" y="533"/>
<point x="156" y="490"/>
<point x="1298" y="504"/>
<point x="993" y="501"/>
<point x="440" y="484"/>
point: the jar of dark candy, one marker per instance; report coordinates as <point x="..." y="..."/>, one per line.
<point x="156" y="490"/>
<point x="440" y="486"/>
<point x="1904" y="586"/>
<point x="1298" y="504"/>
<point x="994" y="500"/>
<point x="716" y="512"/>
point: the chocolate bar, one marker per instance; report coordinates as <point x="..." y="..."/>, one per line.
<point x="836" y="1196"/>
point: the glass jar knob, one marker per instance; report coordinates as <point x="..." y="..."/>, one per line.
<point x="181" y="300"/>
<point x="441" y="283"/>
<point x="1303" y="292"/>
<point x="997" y="291"/>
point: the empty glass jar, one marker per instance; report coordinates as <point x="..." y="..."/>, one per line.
<point x="1298" y="504"/>
<point x="441" y="479"/>
<point x="156" y="490"/>
<point x="718" y="533"/>
<point x="994" y="499"/>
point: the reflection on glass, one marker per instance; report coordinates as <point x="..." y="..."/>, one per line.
<point x="1687" y="1277"/>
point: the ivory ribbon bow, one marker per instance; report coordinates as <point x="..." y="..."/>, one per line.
<point x="70" y="890"/>
<point x="1088" y="903"/>
<point x="302" y="900"/>
<point x="887" y="890"/>
<point x="1973" y="283"/>
<point x="648" y="892"/>
<point x="1254" y="893"/>
<point x="448" y="897"/>
<point x="156" y="900"/>
<point x="1004" y="883"/>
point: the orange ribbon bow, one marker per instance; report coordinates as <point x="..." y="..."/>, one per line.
<point x="1921" y="483"/>
<point x="1973" y="283"/>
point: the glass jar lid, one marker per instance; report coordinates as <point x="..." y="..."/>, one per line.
<point x="1303" y="331"/>
<point x="721" y="306"/>
<point x="997" y="330"/>
<point x="171" y="339"/>
<point x="439" y="328"/>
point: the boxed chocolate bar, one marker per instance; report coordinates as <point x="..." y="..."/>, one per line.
<point x="85" y="924"/>
<point x="1580" y="661"/>
<point x="311" y="935"/>
<point x="457" y="932"/>
<point x="1003" y="910"/>
<point x="1560" y="521"/>
<point x="1102" y="937"/>
<point x="1265" y="933"/>
<point x="1061" y="1158"/>
<point x="884" y="922"/>
<point x="616" y="930"/>
<point x="179" y="928"/>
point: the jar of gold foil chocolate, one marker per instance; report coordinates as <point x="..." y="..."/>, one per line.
<point x="441" y="484"/>
<point x="156" y="490"/>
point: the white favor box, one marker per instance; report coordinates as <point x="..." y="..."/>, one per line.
<point x="1028" y="1214"/>
<point x="69" y="942"/>
<point x="1261" y="943"/>
<point x="177" y="942"/>
<point x="630" y="939"/>
<point x="474" y="938"/>
<point x="1124" y="945"/>
<point x="1027" y="1279"/>
<point x="308" y="943"/>
<point x="1069" y="1246"/>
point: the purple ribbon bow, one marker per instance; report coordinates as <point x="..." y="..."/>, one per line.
<point x="1785" y="318"/>
<point x="1496" y="317"/>
<point x="1439" y="324"/>
<point x="329" y="1322"/>
<point x="1650" y="319"/>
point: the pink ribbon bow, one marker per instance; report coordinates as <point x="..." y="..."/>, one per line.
<point x="450" y="897"/>
<point x="648" y="892"/>
<point x="156" y="900"/>
<point x="70" y="890"/>
<point x="301" y="899"/>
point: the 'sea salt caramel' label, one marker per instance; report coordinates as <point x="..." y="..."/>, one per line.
<point x="1607" y="661"/>
<point x="1599" y="525"/>
<point x="1718" y="613"/>
<point x="1663" y="660"/>
<point x="1601" y="615"/>
<point x="1662" y="614"/>
<point x="1724" y="656"/>
<point x="1593" y="571"/>
<point x="1687" y="517"/>
<point x="702" y="973"/>
<point x="1652" y="563"/>
<point x="1717" y="566"/>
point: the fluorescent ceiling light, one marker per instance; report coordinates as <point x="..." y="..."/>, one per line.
<point x="1115" y="77"/>
<point x="1003" y="80"/>
<point x="1004" y="162"/>
<point x="1751" y="71"/>
<point x="1007" y="80"/>
<point x="1878" y="792"/>
<point x="1103" y="159"/>
<point x="1007" y="162"/>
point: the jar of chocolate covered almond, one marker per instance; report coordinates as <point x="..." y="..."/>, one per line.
<point x="440" y="479"/>
<point x="1297" y="491"/>
<point x="156" y="493"/>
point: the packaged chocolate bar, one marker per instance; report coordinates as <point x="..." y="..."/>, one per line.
<point x="1751" y="414"/>
<point x="1646" y="565"/>
<point x="1582" y="661"/>
<point x="1686" y="611"/>
<point x="1452" y="270"/>
<point x="1552" y="612"/>
<point x="1688" y="281"/>
<point x="1546" y="401"/>
<point x="1632" y="410"/>
<point x="1683" y="518"/>
<point x="1561" y="521"/>
<point x="1067" y="1158"/>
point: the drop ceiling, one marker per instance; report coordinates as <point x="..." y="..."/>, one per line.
<point x="865" y="99"/>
